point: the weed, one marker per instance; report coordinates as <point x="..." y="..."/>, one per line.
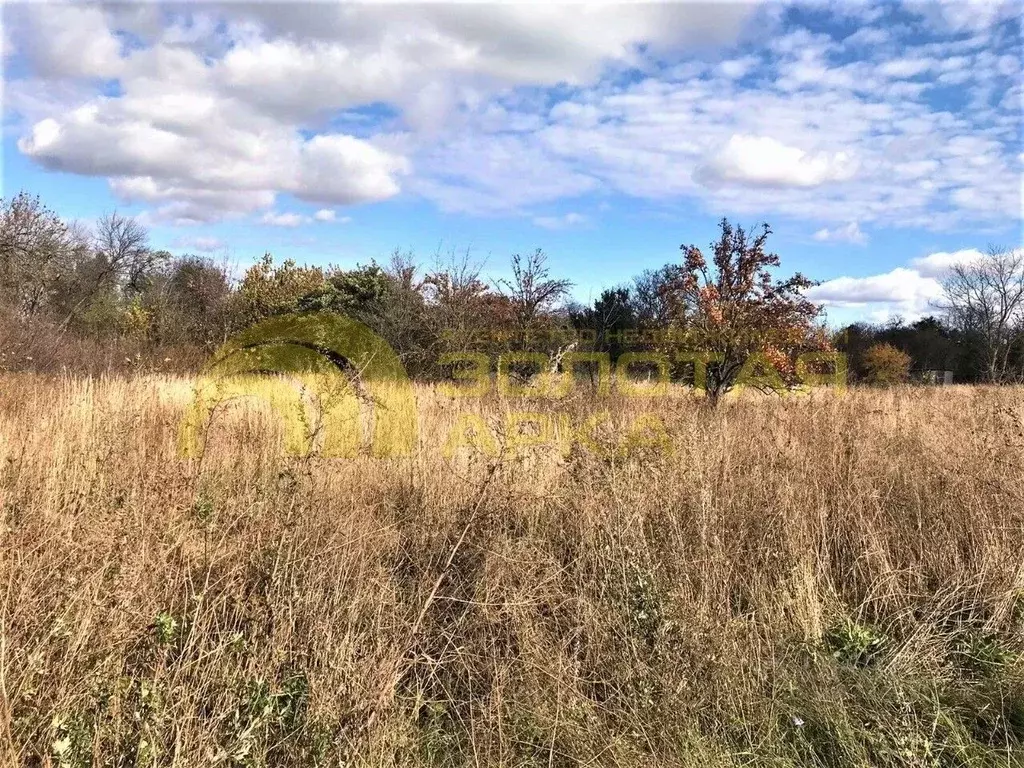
<point x="203" y="509"/>
<point x="166" y="628"/>
<point x="854" y="644"/>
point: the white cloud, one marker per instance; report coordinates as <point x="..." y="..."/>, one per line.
<point x="7" y="48"/>
<point x="232" y="97"/>
<point x="849" y="233"/>
<point x="495" y="174"/>
<point x="937" y="265"/>
<point x="189" y="205"/>
<point x="560" y="222"/>
<point x="275" y="219"/>
<point x="845" y="143"/>
<point x="66" y="40"/>
<point x="904" y="68"/>
<point x="961" y="15"/>
<point x="327" y="215"/>
<point x="513" y="43"/>
<point x="343" y="169"/>
<point x="901" y="292"/>
<point x="216" y="110"/>
<point x="201" y="244"/>
<point x="909" y="292"/>
<point x="170" y="138"/>
<point x="764" y="161"/>
<point x="868" y="36"/>
<point x="734" y="69"/>
<point x="899" y="285"/>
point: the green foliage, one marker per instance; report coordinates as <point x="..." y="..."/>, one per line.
<point x="985" y="654"/>
<point x="359" y="293"/>
<point x="439" y="738"/>
<point x="101" y="316"/>
<point x="264" y="716"/>
<point x="166" y="628"/>
<point x="855" y="644"/>
<point x="203" y="508"/>
<point x="268" y="290"/>
<point x="135" y="320"/>
<point x="71" y="746"/>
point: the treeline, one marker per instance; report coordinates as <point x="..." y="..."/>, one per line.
<point x="884" y="353"/>
<point x="925" y="347"/>
<point x="101" y="298"/>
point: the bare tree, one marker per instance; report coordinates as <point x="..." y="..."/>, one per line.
<point x="189" y="300"/>
<point x="123" y="260"/>
<point x="122" y="248"/>
<point x="37" y="251"/>
<point x="459" y="299"/>
<point x="532" y="290"/>
<point x="402" y="317"/>
<point x="985" y="298"/>
<point x="651" y="307"/>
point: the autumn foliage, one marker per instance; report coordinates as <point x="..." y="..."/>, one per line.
<point x="738" y="315"/>
<point x="886" y="365"/>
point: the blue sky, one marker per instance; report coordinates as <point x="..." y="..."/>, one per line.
<point x="882" y="142"/>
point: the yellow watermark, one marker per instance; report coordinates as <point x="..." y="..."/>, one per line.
<point x="340" y="390"/>
<point x="480" y="376"/>
<point x="329" y="378"/>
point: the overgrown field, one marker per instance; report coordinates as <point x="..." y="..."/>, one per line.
<point x="835" y="580"/>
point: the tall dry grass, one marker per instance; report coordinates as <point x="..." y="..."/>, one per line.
<point x="819" y="581"/>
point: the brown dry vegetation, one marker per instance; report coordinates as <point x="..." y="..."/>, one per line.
<point x="809" y="581"/>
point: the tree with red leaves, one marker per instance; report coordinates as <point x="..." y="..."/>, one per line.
<point x="747" y="326"/>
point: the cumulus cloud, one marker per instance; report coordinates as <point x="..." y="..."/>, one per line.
<point x="232" y="98"/>
<point x="185" y="205"/>
<point x="186" y="150"/>
<point x="937" y="265"/>
<point x="512" y="43"/>
<point x="764" y="161"/>
<point x="900" y="286"/>
<point x="899" y="293"/>
<point x="850" y="233"/>
<point x="734" y="69"/>
<point x="207" y="111"/>
<point x="909" y="292"/>
<point x="67" y="40"/>
<point x="342" y="169"/>
<point x="329" y="216"/>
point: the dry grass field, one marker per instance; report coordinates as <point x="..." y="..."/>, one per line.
<point x="829" y="580"/>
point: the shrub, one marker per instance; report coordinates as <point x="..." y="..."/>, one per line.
<point x="885" y="365"/>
